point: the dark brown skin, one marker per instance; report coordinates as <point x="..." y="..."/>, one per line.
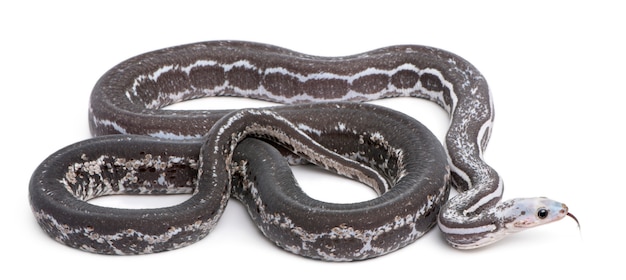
<point x="416" y="170"/>
<point x="128" y="100"/>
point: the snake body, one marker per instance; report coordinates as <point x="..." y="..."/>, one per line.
<point x="390" y="152"/>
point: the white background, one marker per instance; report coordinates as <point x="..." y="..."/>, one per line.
<point x="556" y="69"/>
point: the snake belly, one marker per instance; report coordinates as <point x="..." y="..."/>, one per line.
<point x="129" y="97"/>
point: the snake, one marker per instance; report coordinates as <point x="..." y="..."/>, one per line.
<point x="139" y="148"/>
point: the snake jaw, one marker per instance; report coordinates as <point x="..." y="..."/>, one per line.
<point x="526" y="213"/>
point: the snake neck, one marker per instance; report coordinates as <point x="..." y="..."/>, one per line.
<point x="473" y="218"/>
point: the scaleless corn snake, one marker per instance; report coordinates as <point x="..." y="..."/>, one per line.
<point x="218" y="154"/>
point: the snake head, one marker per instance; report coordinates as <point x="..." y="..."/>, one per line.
<point x="523" y="213"/>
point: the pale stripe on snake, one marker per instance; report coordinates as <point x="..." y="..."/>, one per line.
<point x="128" y="98"/>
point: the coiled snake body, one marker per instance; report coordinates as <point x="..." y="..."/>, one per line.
<point x="207" y="152"/>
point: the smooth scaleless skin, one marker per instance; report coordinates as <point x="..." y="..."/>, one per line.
<point x="128" y="98"/>
<point x="407" y="166"/>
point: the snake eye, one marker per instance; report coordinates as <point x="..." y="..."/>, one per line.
<point x="542" y="213"/>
